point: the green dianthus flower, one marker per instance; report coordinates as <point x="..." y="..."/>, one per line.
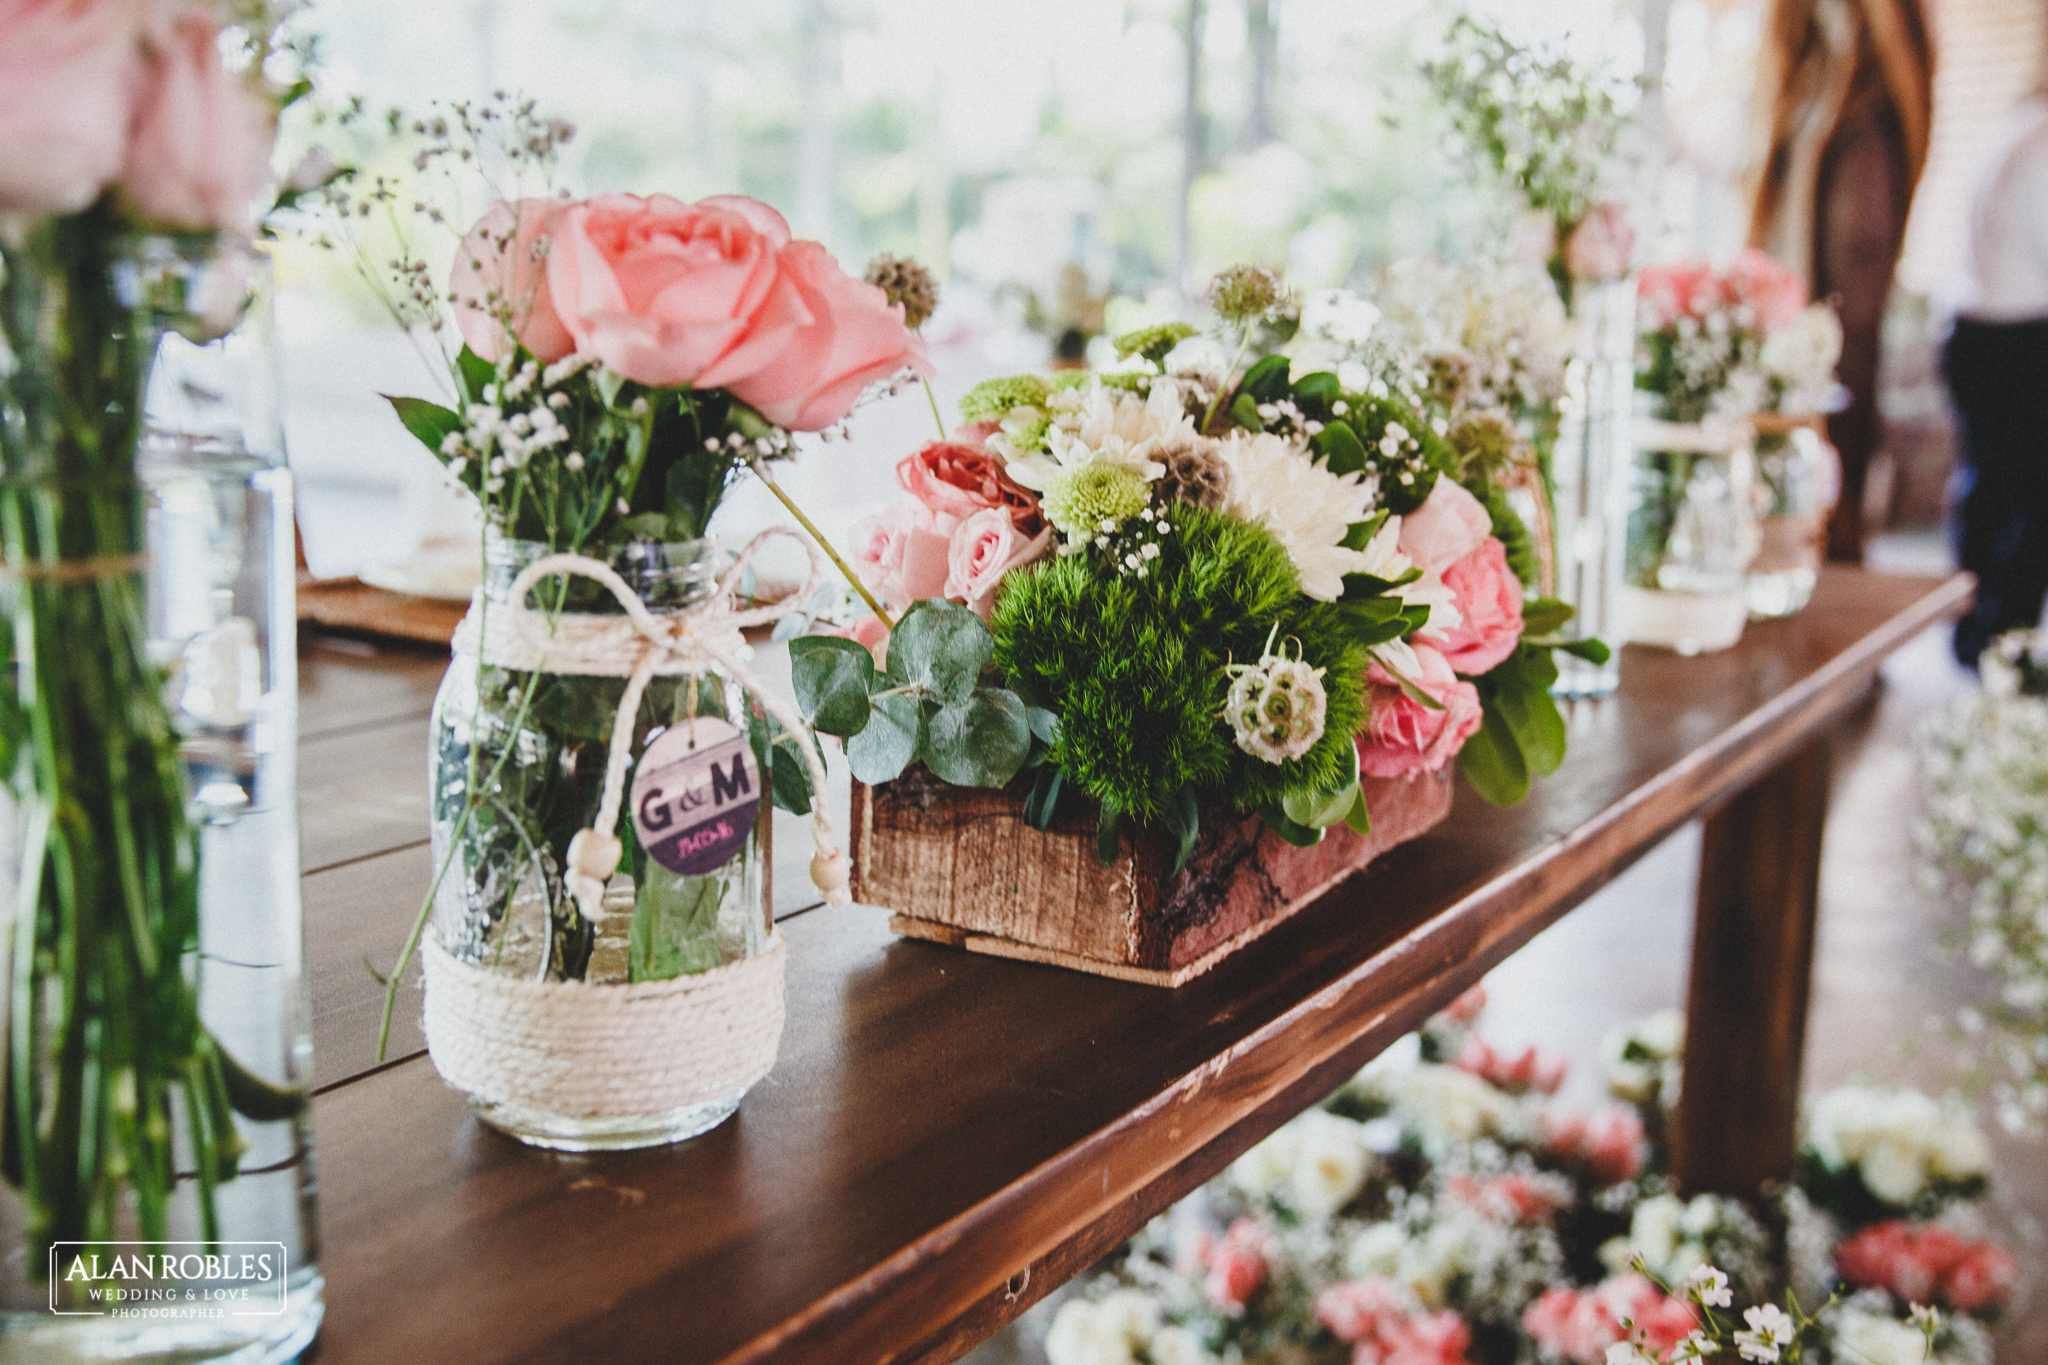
<point x="1084" y="501"/>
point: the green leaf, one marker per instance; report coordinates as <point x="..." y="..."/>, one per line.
<point x="1105" y="833"/>
<point x="1360" y="533"/>
<point x="1319" y="389"/>
<point x="1343" y="452"/>
<point x="1244" y="410"/>
<point x="1320" y="810"/>
<point x="1408" y="687"/>
<point x="1536" y="724"/>
<point x="1360" y="587"/>
<point x="1359" y="817"/>
<point x="940" y="648"/>
<point x="1592" y="651"/>
<point x="791" y="778"/>
<point x="1299" y="835"/>
<point x="475" y="374"/>
<point x="1183" y="820"/>
<point x="1544" y="616"/>
<point x="1492" y="763"/>
<point x="832" y="678"/>
<point x="889" y="742"/>
<point x="1044" y="801"/>
<point x="1044" y="724"/>
<point x="430" y="423"/>
<point x="1266" y="381"/>
<point x="980" y="742"/>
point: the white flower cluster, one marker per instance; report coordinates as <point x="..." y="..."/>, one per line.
<point x="1800" y="360"/>
<point x="1901" y="1143"/>
<point x="515" y="422"/>
<point x="1314" y="1165"/>
<point x="1442" y="1109"/>
<point x="1455" y="1254"/>
<point x="1504" y="323"/>
<point x="1866" y="1332"/>
<point x="1123" y="1327"/>
<point x="1642" y="1061"/>
<point x="1984" y="842"/>
<point x="1675" y="1237"/>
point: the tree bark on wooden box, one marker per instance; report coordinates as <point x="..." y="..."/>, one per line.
<point x="959" y="865"/>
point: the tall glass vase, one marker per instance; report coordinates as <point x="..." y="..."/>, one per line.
<point x="156" y="1144"/>
<point x="1589" y="478"/>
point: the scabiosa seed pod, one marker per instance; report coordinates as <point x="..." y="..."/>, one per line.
<point x="908" y="283"/>
<point x="1195" y="475"/>
<point x="1276" y="706"/>
<point x="1245" y="294"/>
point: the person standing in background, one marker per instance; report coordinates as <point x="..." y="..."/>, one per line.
<point x="1845" y="101"/>
<point x="1996" y="364"/>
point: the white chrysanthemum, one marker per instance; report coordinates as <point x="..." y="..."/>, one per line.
<point x="1097" y="425"/>
<point x="1331" y="1163"/>
<point x="1309" y="510"/>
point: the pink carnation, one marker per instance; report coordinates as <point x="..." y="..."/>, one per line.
<point x="1403" y="736"/>
<point x="1511" y="1198"/>
<point x="1688" y="289"/>
<point x="1928" y="1264"/>
<point x="1776" y="295"/>
<point x="1517" y="1074"/>
<point x="1433" y="1339"/>
<point x="1236" y="1267"/>
<point x="1981" y="1280"/>
<point x="1383" y="1325"/>
<point x="1489" y="599"/>
<point x="1356" y="1310"/>
<point x="1610" y="1144"/>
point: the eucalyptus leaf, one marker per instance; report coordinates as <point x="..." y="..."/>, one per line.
<point x="889" y="742"/>
<point x="791" y="778"/>
<point x="940" y="648"/>
<point x="1044" y="724"/>
<point x="832" y="679"/>
<point x="980" y="742"/>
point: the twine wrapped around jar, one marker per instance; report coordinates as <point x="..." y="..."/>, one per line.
<point x="596" y="1051"/>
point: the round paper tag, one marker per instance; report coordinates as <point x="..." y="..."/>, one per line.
<point x="695" y="794"/>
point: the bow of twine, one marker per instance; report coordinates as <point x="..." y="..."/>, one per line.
<point x="641" y="646"/>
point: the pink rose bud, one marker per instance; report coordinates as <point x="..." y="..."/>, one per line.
<point x="498" y="286"/>
<point x="1449" y="525"/>
<point x="68" y="72"/>
<point x="985" y="547"/>
<point x="1600" y="246"/>
<point x="199" y="148"/>
<point x="1489" y="599"/>
<point x="898" y="558"/>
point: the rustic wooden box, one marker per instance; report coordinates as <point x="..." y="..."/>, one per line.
<point x="960" y="866"/>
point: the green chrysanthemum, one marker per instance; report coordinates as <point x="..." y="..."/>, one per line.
<point x="992" y="399"/>
<point x="1085" y="501"/>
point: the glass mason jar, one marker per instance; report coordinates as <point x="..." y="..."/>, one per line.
<point x="1691" y="535"/>
<point x="1589" y="473"/>
<point x="159" y="1020"/>
<point x="1797" y="480"/>
<point x="518" y="768"/>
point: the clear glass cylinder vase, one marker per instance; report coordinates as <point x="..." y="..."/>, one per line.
<point x="1589" y="479"/>
<point x="1797" y="481"/>
<point x="159" y="1202"/>
<point x="518" y="768"/>
<point x="1692" y="535"/>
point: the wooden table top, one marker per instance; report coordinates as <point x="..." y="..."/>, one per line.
<point x="947" y="1136"/>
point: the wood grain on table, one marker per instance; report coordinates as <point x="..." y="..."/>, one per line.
<point x="947" y="1136"/>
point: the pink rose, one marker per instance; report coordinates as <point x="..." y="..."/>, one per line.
<point x="1776" y="295"/>
<point x="1511" y="1198"/>
<point x="1882" y="1256"/>
<point x="1982" y="1279"/>
<point x="500" y="279"/>
<point x="1237" y="1267"/>
<point x="899" y="560"/>
<point x="984" y="547"/>
<point x="199" y="148"/>
<point x="1688" y="289"/>
<point x="1440" y="1338"/>
<point x="68" y="71"/>
<point x="954" y="481"/>
<point x="976" y="433"/>
<point x="1449" y="525"/>
<point x="1600" y="246"/>
<point x="852" y="336"/>
<point x="668" y="293"/>
<point x="1609" y="1144"/>
<point x="1490" y="603"/>
<point x="1403" y="736"/>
